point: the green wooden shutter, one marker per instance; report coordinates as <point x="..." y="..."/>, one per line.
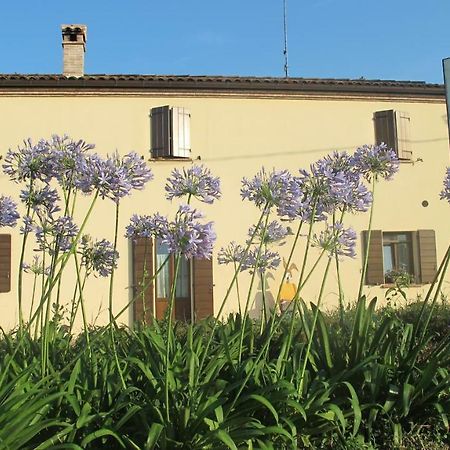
<point x="5" y="262"/>
<point x="385" y="129"/>
<point x="427" y="255"/>
<point x="160" y="131"/>
<point x="143" y="288"/>
<point x="375" y="268"/>
<point x="203" y="288"/>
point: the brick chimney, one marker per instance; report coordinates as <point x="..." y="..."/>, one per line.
<point x="74" y="47"/>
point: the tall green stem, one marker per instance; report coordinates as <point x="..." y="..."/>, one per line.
<point x="366" y="255"/>
<point x="170" y="333"/>
<point x="22" y="257"/>
<point x="313" y="329"/>
<point x="111" y="279"/>
<point x="252" y="280"/>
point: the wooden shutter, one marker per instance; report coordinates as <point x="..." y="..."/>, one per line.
<point x="385" y="129"/>
<point x="403" y="121"/>
<point x="427" y="255"/>
<point x="375" y="268"/>
<point x="143" y="289"/>
<point x="181" y="132"/>
<point x="160" y="130"/>
<point x="203" y="288"/>
<point x="5" y="262"/>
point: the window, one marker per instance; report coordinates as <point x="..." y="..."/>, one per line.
<point x="5" y="262"/>
<point x="404" y="252"/>
<point x="165" y="268"/>
<point x="170" y="132"/>
<point x="393" y="128"/>
<point x="194" y="293"/>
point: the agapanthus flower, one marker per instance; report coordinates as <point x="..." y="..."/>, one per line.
<point x="30" y="162"/>
<point x="233" y="253"/>
<point x="98" y="256"/>
<point x="266" y="189"/>
<point x="58" y="234"/>
<point x="41" y="198"/>
<point x="376" y="161"/>
<point x="27" y="225"/>
<point x="331" y="185"/>
<point x="267" y="260"/>
<point x="114" y="177"/>
<point x="8" y="212"/>
<point x="146" y="226"/>
<point x="196" y="181"/>
<point x="70" y="159"/>
<point x="336" y="240"/>
<point x="343" y="179"/>
<point x="445" y="193"/>
<point x="36" y="267"/>
<point x="188" y="236"/>
<point x="274" y="232"/>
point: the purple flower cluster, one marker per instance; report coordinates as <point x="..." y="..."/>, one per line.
<point x="266" y="189"/>
<point x="30" y="162"/>
<point x="267" y="260"/>
<point x="70" y="159"/>
<point x="274" y="232"/>
<point x="336" y="240"/>
<point x="185" y="234"/>
<point x="196" y="181"/>
<point x="188" y="236"/>
<point x="36" y="267"/>
<point x="145" y="226"/>
<point x="114" y="177"/>
<point x="98" y="256"/>
<point x="332" y="184"/>
<point x="233" y="253"/>
<point x="63" y="231"/>
<point x="41" y="199"/>
<point x="8" y="212"/>
<point x="376" y="161"/>
<point x="445" y="193"/>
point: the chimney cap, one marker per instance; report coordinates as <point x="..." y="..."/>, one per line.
<point x="74" y="28"/>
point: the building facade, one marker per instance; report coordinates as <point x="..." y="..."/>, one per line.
<point x="235" y="126"/>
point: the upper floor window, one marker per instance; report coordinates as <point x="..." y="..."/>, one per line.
<point x="393" y="129"/>
<point x="170" y="132"/>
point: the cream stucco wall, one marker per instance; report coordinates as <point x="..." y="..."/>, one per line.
<point x="234" y="136"/>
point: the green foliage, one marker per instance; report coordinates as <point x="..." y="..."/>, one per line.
<point x="371" y="381"/>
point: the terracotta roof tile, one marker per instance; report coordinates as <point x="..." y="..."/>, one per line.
<point x="218" y="83"/>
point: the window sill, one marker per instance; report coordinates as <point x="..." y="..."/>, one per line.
<point x="170" y="159"/>
<point x="392" y="285"/>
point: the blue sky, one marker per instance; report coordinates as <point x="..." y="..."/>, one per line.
<point x="382" y="39"/>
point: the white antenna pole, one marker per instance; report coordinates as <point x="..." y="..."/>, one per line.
<point x="285" y="52"/>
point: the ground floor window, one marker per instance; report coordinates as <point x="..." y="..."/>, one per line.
<point x="153" y="273"/>
<point x="407" y="254"/>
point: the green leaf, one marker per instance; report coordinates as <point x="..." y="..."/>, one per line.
<point x="226" y="439"/>
<point x="99" y="434"/>
<point x="153" y="436"/>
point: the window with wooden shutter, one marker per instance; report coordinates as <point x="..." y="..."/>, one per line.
<point x="393" y="129"/>
<point x="396" y="253"/>
<point x="427" y="255"/>
<point x="142" y="284"/>
<point x="5" y="262"/>
<point x="203" y="288"/>
<point x="170" y="132"/>
<point x="375" y="268"/>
